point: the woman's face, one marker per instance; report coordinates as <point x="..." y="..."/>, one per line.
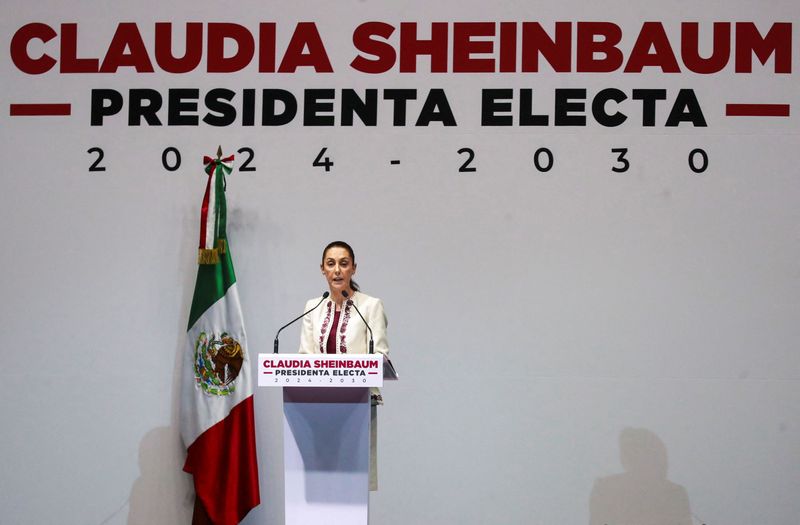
<point x="338" y="268"/>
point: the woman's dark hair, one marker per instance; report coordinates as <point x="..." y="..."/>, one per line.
<point x="343" y="245"/>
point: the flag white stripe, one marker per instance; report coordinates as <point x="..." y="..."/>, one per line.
<point x="211" y="233"/>
<point x="201" y="411"/>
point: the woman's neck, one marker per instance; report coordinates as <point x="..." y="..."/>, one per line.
<point x="338" y="298"/>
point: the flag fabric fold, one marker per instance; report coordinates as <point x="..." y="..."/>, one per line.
<point x="217" y="421"/>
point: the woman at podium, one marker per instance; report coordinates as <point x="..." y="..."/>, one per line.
<point x="335" y="325"/>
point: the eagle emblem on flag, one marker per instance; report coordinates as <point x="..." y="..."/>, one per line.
<point x="217" y="362"/>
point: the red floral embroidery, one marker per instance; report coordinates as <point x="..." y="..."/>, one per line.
<point x="325" y="324"/>
<point x="343" y="327"/>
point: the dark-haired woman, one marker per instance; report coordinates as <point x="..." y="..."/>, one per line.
<point x="336" y="328"/>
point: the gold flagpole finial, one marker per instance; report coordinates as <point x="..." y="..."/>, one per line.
<point x="219" y="152"/>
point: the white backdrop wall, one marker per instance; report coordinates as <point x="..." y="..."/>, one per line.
<point x="614" y="343"/>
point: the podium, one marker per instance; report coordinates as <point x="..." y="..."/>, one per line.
<point x="326" y="432"/>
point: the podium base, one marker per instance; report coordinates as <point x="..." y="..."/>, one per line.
<point x="326" y="455"/>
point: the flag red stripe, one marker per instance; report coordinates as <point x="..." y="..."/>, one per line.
<point x="204" y="213"/>
<point x="224" y="465"/>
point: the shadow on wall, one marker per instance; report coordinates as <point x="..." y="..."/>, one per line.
<point x="162" y="493"/>
<point x="642" y="495"/>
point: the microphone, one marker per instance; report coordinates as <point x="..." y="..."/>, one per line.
<point x="275" y="343"/>
<point x="350" y="302"/>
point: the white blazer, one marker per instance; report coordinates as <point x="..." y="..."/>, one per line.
<point x="316" y="326"/>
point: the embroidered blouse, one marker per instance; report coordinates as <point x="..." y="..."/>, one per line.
<point x="321" y="331"/>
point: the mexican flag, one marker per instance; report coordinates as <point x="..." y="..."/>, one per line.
<point x="217" y="422"/>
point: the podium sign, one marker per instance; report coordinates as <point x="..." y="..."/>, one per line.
<point x="320" y="370"/>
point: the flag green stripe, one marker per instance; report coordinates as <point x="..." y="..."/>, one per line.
<point x="222" y="205"/>
<point x="213" y="280"/>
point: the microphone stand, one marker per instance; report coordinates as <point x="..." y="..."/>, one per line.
<point x="275" y="343"/>
<point x="350" y="302"/>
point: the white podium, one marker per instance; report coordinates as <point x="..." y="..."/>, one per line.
<point x="326" y="432"/>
